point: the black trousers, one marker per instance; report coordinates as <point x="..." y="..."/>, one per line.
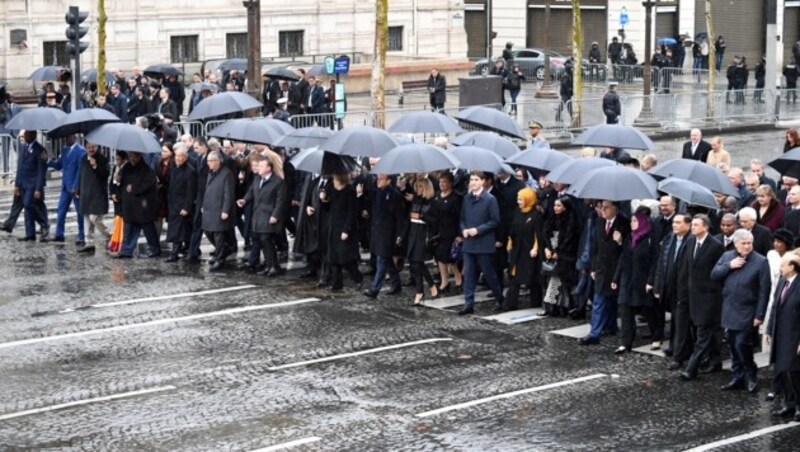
<point x="791" y="389"/>
<point x="420" y="273"/>
<point x="680" y="335"/>
<point x="338" y="277"/>
<point x="16" y="211"/>
<point x="267" y="243"/>
<point x="221" y="247"/>
<point x="628" y="314"/>
<point x="708" y="344"/>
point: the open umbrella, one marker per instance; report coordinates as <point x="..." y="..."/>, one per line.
<point x="361" y="141"/>
<point x="240" y="64"/>
<point x="415" y="158"/>
<point x="224" y="104"/>
<point x="315" y="160"/>
<point x="82" y="121"/>
<point x="43" y="118"/>
<point x="490" y="119"/>
<point x="692" y="193"/>
<point x="475" y="158"/>
<point x="788" y="164"/>
<point x="282" y="73"/>
<point x="614" y="136"/>
<point x="162" y="69"/>
<point x="541" y="158"/>
<point x="424" y="122"/>
<point x="571" y="171"/>
<point x="90" y="75"/>
<point x="248" y="131"/>
<point x="204" y="86"/>
<point x="317" y="70"/>
<point x="488" y="140"/>
<point x="666" y="41"/>
<point x="306" y="137"/>
<point x="702" y="173"/>
<point x="125" y="137"/>
<point x="278" y="126"/>
<point x="615" y="183"/>
<point x="47" y="73"/>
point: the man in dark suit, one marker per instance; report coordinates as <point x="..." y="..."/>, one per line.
<point x="268" y="195"/>
<point x="119" y="102"/>
<point x="298" y="94"/>
<point x="437" y="90"/>
<point x="507" y="186"/>
<point x="201" y="166"/>
<point x="762" y="237"/>
<point x="727" y="226"/>
<point x="703" y="294"/>
<point x="386" y="232"/>
<point x="218" y="208"/>
<point x="30" y="181"/>
<point x="662" y="225"/>
<point x="791" y="215"/>
<point x="696" y="148"/>
<point x="138" y="183"/>
<point x="181" y="193"/>
<point x="610" y="232"/>
<point x="784" y="336"/>
<point x="315" y="101"/>
<point x="746" y="285"/>
<point x="166" y="106"/>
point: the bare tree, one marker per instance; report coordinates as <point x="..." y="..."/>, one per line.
<point x="577" y="69"/>
<point x="377" y="88"/>
<point x="101" y="49"/>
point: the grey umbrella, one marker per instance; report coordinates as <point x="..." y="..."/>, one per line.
<point x="306" y="137"/>
<point x="282" y="73"/>
<point x="90" y="75"/>
<point x="692" y="193"/>
<point x="42" y="118"/>
<point x="571" y="171"/>
<point x="247" y="130"/>
<point x="162" y="69"/>
<point x="361" y="141"/>
<point x="488" y="140"/>
<point x="315" y="160"/>
<point x="788" y="164"/>
<point x="240" y="64"/>
<point x="125" y="137"/>
<point x="614" y="136"/>
<point x="615" y="183"/>
<point x="490" y="119"/>
<point x="541" y="158"/>
<point x="224" y="104"/>
<point x="415" y="158"/>
<point x="317" y="70"/>
<point x="424" y="122"/>
<point x="47" y="73"/>
<point x="82" y="121"/>
<point x="204" y="86"/>
<point x="277" y="125"/>
<point x="702" y="173"/>
<point x="480" y="159"/>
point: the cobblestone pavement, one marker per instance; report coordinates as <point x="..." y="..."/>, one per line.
<point x="172" y="371"/>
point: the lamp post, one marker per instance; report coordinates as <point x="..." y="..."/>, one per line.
<point x="253" y="46"/>
<point x="645" y="118"/>
<point x="547" y="90"/>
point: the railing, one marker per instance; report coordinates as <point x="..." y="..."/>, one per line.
<point x="8" y="154"/>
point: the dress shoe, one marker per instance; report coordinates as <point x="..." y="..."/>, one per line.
<point x="54" y="240"/>
<point x="6" y="228"/>
<point x="121" y="256"/>
<point x="216" y="266"/>
<point x="27" y="239"/>
<point x="171" y="258"/>
<point x="668" y="352"/>
<point x="86" y="249"/>
<point x="752" y="386"/>
<point x="80" y="243"/>
<point x="688" y="376"/>
<point x="733" y="385"/>
<point x="710" y="369"/>
<point x="308" y="274"/>
<point x="371" y="293"/>
<point x="588" y="340"/>
<point x="498" y="308"/>
<point x="769" y="397"/>
<point x="465" y="311"/>
<point x="275" y="272"/>
<point x="152" y="255"/>
<point x="394" y="290"/>
<point x="192" y="259"/>
<point x="337" y="288"/>
<point x="784" y="412"/>
<point x="674" y="365"/>
<point x="796" y="417"/>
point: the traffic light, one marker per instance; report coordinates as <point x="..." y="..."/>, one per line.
<point x="75" y="32"/>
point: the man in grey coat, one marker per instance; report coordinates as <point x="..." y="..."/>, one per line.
<point x="218" y="208"/>
<point x="745" y="293"/>
<point x="268" y="195"/>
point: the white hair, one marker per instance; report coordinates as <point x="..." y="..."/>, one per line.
<point x="742" y="234"/>
<point x="748" y="213"/>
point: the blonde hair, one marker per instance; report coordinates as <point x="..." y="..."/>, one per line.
<point x="274" y="160"/>
<point x="427" y="187"/>
<point x="588" y="152"/>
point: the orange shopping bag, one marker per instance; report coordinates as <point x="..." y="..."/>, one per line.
<point x="115" y="244"/>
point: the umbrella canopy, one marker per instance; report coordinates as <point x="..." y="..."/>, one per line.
<point x="490" y="119"/>
<point x="541" y="158"/>
<point x="90" y="75"/>
<point x="125" y="137"/>
<point x="280" y="127"/>
<point x="702" y="173"/>
<point x="424" y="122"/>
<point x="362" y="141"/>
<point x="307" y="137"/>
<point x="282" y="73"/>
<point x="82" y="121"/>
<point x="475" y="158"/>
<point x="415" y="158"/>
<point x="317" y="70"/>
<point x="614" y="136"/>
<point x="43" y="118"/>
<point x="162" y="69"/>
<point x="224" y="104"/>
<point x="667" y="41"/>
<point x="47" y="73"/>
<point x="615" y="183"/>
<point x="204" y="86"/>
<point x="573" y="170"/>
<point x="488" y="140"/>
<point x="315" y="160"/>
<point x="248" y="131"/>
<point x="240" y="64"/>
<point x="788" y="164"/>
<point x="692" y="193"/>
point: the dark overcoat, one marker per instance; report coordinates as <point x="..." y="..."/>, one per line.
<point x="343" y="210"/>
<point x="633" y="270"/>
<point x="745" y="290"/>
<point x="268" y="200"/>
<point x="388" y="221"/>
<point x="141" y="204"/>
<point x="93" y="185"/>
<point x="784" y="327"/>
<point x="606" y="252"/>
<point x="695" y="285"/>
<point x="181" y="194"/>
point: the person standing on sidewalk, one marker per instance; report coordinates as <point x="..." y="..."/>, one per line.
<point x="515" y="79"/>
<point x="612" y="106"/>
<point x="437" y="89"/>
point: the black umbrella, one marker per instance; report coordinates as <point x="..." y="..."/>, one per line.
<point x="702" y="173"/>
<point x="247" y="130"/>
<point x="615" y="183"/>
<point x="424" y="122"/>
<point x="541" y="158"/>
<point x="614" y="136"/>
<point x="42" y="118"/>
<point x="315" y="160"/>
<point x="240" y="64"/>
<point x="788" y="164"/>
<point x="490" y="119"/>
<point x="282" y="73"/>
<point x="361" y="141"/>
<point x="415" y="158"/>
<point x="692" y="193"/>
<point x="90" y="75"/>
<point x="488" y="140"/>
<point x="223" y="104"/>
<point x="572" y="171"/>
<point x="162" y="69"/>
<point x="307" y="137"/>
<point x="82" y="121"/>
<point x="475" y="158"/>
<point x="125" y="137"/>
<point x="47" y="73"/>
<point x="276" y="125"/>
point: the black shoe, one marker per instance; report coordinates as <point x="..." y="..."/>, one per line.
<point x="733" y="385"/>
<point x="6" y="228"/>
<point x="674" y="365"/>
<point x="275" y="272"/>
<point x="308" y="274"/>
<point x="465" y="311"/>
<point x="337" y="288"/>
<point x="80" y="243"/>
<point x="588" y="340"/>
<point x="171" y="258"/>
<point x="216" y="266"/>
<point x="121" y="256"/>
<point x="55" y="239"/>
<point x="668" y="352"/>
<point x="752" y="386"/>
<point x="27" y="239"/>
<point x="498" y="308"/>
<point x="192" y="259"/>
<point x="769" y="397"/>
<point x="784" y="412"/>
<point x="370" y="293"/>
<point x="152" y="255"/>
<point x="796" y="417"/>
<point x="710" y="369"/>
<point x="86" y="250"/>
<point x="688" y="376"/>
<point x="323" y="283"/>
<point x="394" y="290"/>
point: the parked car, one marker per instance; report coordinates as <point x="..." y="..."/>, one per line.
<point x="531" y="62"/>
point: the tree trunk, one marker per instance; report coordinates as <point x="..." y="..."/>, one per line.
<point x="712" y="64"/>
<point x="377" y="88"/>
<point x="577" y="70"/>
<point x="101" y="49"/>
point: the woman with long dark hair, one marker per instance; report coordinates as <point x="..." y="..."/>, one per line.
<point x="792" y="139"/>
<point x="562" y="234"/>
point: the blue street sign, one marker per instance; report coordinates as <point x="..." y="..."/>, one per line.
<point x="623" y="16"/>
<point x="329" y="64"/>
<point x="341" y="65"/>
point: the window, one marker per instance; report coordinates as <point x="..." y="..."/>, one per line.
<point x="526" y="54"/>
<point x="395" y="39"/>
<point x="55" y="53"/>
<point x="236" y="45"/>
<point x="183" y="49"/>
<point x="290" y="43"/>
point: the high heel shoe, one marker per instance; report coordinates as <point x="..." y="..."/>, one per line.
<point x="444" y="290"/>
<point x="418" y="299"/>
<point x="434" y="291"/>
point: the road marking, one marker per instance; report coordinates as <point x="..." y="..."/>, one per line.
<point x="363" y="352"/>
<point x="509" y="395"/>
<point x="161" y="297"/>
<point x="62" y="406"/>
<point x="56" y="337"/>
<point x="746" y="436"/>
<point x="297" y="442"/>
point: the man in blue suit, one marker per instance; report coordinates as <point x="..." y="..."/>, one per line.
<point x="480" y="216"/>
<point x="69" y="164"/>
<point x="119" y="102"/>
<point x="30" y="180"/>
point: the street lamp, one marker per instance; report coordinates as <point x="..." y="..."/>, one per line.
<point x="547" y="90"/>
<point x="645" y="118"/>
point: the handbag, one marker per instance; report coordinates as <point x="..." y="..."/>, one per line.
<point x="455" y="252"/>
<point x="548" y="267"/>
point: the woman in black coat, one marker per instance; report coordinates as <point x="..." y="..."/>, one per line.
<point x="524" y="245"/>
<point x="562" y="235"/>
<point x="341" y="235"/>
<point x="447" y="205"/>
<point x="421" y="228"/>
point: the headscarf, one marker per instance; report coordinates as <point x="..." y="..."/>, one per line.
<point x="645" y="226"/>
<point x="528" y="197"/>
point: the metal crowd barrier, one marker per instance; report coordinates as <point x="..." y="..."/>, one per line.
<point x="8" y="154"/>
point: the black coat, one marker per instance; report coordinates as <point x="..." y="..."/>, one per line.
<point x="168" y="106"/>
<point x="612" y="107"/>
<point x="508" y="192"/>
<point x="526" y="231"/>
<point x="569" y="228"/>
<point x="703" y="294"/>
<point x="388" y="221"/>
<point x="93" y="185"/>
<point x="606" y="252"/>
<point x="700" y="154"/>
<point x="791" y="220"/>
<point x="418" y="233"/>
<point x="140" y="205"/>
<point x="633" y="271"/>
<point x="343" y="212"/>
<point x="784" y="327"/>
<point x="268" y="201"/>
<point x="448" y="210"/>
<point x="762" y="239"/>
<point x="665" y="276"/>
<point x="437" y="89"/>
<point x="181" y="194"/>
<point x="312" y="231"/>
<point x="219" y="198"/>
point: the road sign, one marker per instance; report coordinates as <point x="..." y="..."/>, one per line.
<point x="341" y="65"/>
<point x="623" y="16"/>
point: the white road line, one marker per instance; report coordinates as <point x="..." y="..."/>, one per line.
<point x="509" y="395"/>
<point x="161" y="297"/>
<point x="62" y="406"/>
<point x="746" y="436"/>
<point x="363" y="352"/>
<point x="297" y="442"/>
<point x="38" y="340"/>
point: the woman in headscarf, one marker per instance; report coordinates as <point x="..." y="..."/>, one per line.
<point x="524" y="244"/>
<point x="562" y="234"/>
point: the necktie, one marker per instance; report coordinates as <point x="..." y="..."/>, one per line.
<point x="785" y="290"/>
<point x="727" y="242"/>
<point x="696" y="247"/>
<point x="262" y="183"/>
<point x="678" y="244"/>
<point x="310" y="96"/>
<point x="608" y="226"/>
